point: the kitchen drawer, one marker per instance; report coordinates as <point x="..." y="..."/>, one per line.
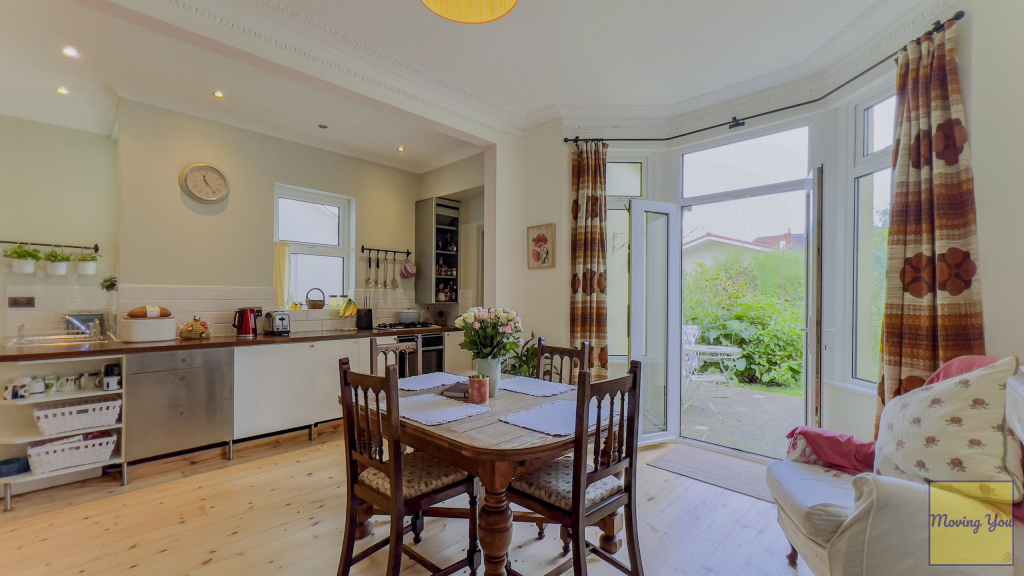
<point x="154" y="390"/>
<point x="157" y="432"/>
<point x="174" y="360"/>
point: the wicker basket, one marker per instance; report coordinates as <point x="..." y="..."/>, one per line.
<point x="315" y="304"/>
<point x="70" y="416"/>
<point x="53" y="456"/>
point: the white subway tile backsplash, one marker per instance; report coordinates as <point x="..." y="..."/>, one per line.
<point x="215" y="293"/>
<point x="131" y="292"/>
<point x="170" y="292"/>
<point x="254" y="293"/>
<point x="306" y="325"/>
<point x="21" y="291"/>
<point x="324" y="314"/>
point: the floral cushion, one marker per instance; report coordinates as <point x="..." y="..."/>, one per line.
<point x="421" y="473"/>
<point x="952" y="430"/>
<point x="552" y="483"/>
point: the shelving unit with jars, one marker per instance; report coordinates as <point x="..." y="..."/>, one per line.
<point x="438" y="250"/>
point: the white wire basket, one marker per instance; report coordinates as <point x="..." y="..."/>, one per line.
<point x="70" y="416"/>
<point x="70" y="452"/>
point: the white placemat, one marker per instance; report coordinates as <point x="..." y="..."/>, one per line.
<point x="533" y="386"/>
<point x="428" y="381"/>
<point x="556" y="418"/>
<point x="434" y="410"/>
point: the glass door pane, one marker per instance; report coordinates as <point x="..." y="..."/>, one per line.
<point x="744" y="288"/>
<point x="654" y="313"/>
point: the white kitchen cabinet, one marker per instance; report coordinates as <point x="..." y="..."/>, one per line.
<point x="364" y="353"/>
<point x="456" y="359"/>
<point x="274" y="388"/>
<point x="328" y="377"/>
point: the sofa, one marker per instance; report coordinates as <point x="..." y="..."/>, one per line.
<point x="866" y="524"/>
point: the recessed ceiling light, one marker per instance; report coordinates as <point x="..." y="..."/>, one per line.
<point x="322" y="125"/>
<point x="62" y="90"/>
<point x="401" y="148"/>
<point x="70" y="52"/>
<point x="218" y="94"/>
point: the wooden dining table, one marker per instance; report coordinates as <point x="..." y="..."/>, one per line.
<point x="496" y="452"/>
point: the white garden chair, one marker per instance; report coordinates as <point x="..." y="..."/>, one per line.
<point x="695" y="356"/>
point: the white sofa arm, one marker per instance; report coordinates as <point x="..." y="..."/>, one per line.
<point x="887" y="534"/>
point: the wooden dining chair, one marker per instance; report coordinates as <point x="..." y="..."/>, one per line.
<point x="406" y="349"/>
<point x="579" y="491"/>
<point x="381" y="476"/>
<point x="558" y="360"/>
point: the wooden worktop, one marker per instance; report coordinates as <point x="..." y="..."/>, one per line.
<point x="114" y="348"/>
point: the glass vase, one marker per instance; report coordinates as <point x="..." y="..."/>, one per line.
<point x="490" y="367"/>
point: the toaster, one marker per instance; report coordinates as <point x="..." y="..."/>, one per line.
<point x="277" y="324"/>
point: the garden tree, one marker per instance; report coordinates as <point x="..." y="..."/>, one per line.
<point x="757" y="306"/>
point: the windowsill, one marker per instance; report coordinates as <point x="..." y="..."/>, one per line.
<point x="864" y="388"/>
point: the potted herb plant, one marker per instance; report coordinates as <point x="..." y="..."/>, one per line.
<point x="87" y="263"/>
<point x="23" y="259"/>
<point x="56" y="262"/>
<point x="491" y="334"/>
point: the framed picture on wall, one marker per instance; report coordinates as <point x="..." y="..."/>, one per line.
<point x="540" y="246"/>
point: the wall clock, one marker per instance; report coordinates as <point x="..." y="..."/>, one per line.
<point x="203" y="182"/>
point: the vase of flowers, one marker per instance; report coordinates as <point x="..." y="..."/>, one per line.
<point x="491" y="334"/>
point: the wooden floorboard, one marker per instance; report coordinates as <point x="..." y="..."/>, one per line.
<point x="278" y="508"/>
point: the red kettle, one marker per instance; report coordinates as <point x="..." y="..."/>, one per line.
<point x="244" y="322"/>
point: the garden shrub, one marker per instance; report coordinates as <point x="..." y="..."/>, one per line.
<point x="757" y="306"/>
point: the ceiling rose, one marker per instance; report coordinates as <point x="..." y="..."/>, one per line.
<point x="470" y="11"/>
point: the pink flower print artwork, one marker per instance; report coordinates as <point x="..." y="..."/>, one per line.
<point x="979" y="404"/>
<point x="900" y="445"/>
<point x="915" y="423"/>
<point x="955" y="421"/>
<point x="935" y="403"/>
<point x="975" y="444"/>
<point x="957" y="465"/>
<point x="921" y="466"/>
<point x="931" y="442"/>
<point x="963" y="383"/>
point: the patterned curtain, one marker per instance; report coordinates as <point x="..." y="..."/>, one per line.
<point x="932" y="290"/>
<point x="588" y="316"/>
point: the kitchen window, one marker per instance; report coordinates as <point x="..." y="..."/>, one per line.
<point x="872" y="190"/>
<point x="320" y="230"/>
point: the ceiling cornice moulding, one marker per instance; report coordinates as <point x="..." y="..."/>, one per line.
<point x="276" y="25"/>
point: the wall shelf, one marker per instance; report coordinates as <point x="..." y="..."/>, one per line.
<point x="438" y="244"/>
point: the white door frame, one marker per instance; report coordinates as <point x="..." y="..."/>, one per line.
<point x="638" y="311"/>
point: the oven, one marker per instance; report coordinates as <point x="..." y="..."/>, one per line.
<point x="433" y="353"/>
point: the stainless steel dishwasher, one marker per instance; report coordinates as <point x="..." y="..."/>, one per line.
<point x="178" y="400"/>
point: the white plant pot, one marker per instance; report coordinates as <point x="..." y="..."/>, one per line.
<point x="24" y="266"/>
<point x="87" y="268"/>
<point x="57" y="268"/>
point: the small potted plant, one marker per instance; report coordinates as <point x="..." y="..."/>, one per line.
<point x="23" y="259"/>
<point x="56" y="262"/>
<point x="87" y="263"/>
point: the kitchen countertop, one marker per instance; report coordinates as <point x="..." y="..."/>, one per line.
<point x="115" y="348"/>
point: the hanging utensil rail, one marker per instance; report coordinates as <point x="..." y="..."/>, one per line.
<point x="378" y="250"/>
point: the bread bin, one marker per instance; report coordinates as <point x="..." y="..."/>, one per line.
<point x="146" y="329"/>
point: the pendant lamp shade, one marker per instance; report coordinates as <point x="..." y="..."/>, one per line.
<point x="470" y="11"/>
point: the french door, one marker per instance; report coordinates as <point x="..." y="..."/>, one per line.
<point x="656" y="260"/>
<point x="655" y="318"/>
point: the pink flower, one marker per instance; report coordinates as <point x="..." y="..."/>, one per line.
<point x="521" y="341"/>
<point x="476" y="325"/>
